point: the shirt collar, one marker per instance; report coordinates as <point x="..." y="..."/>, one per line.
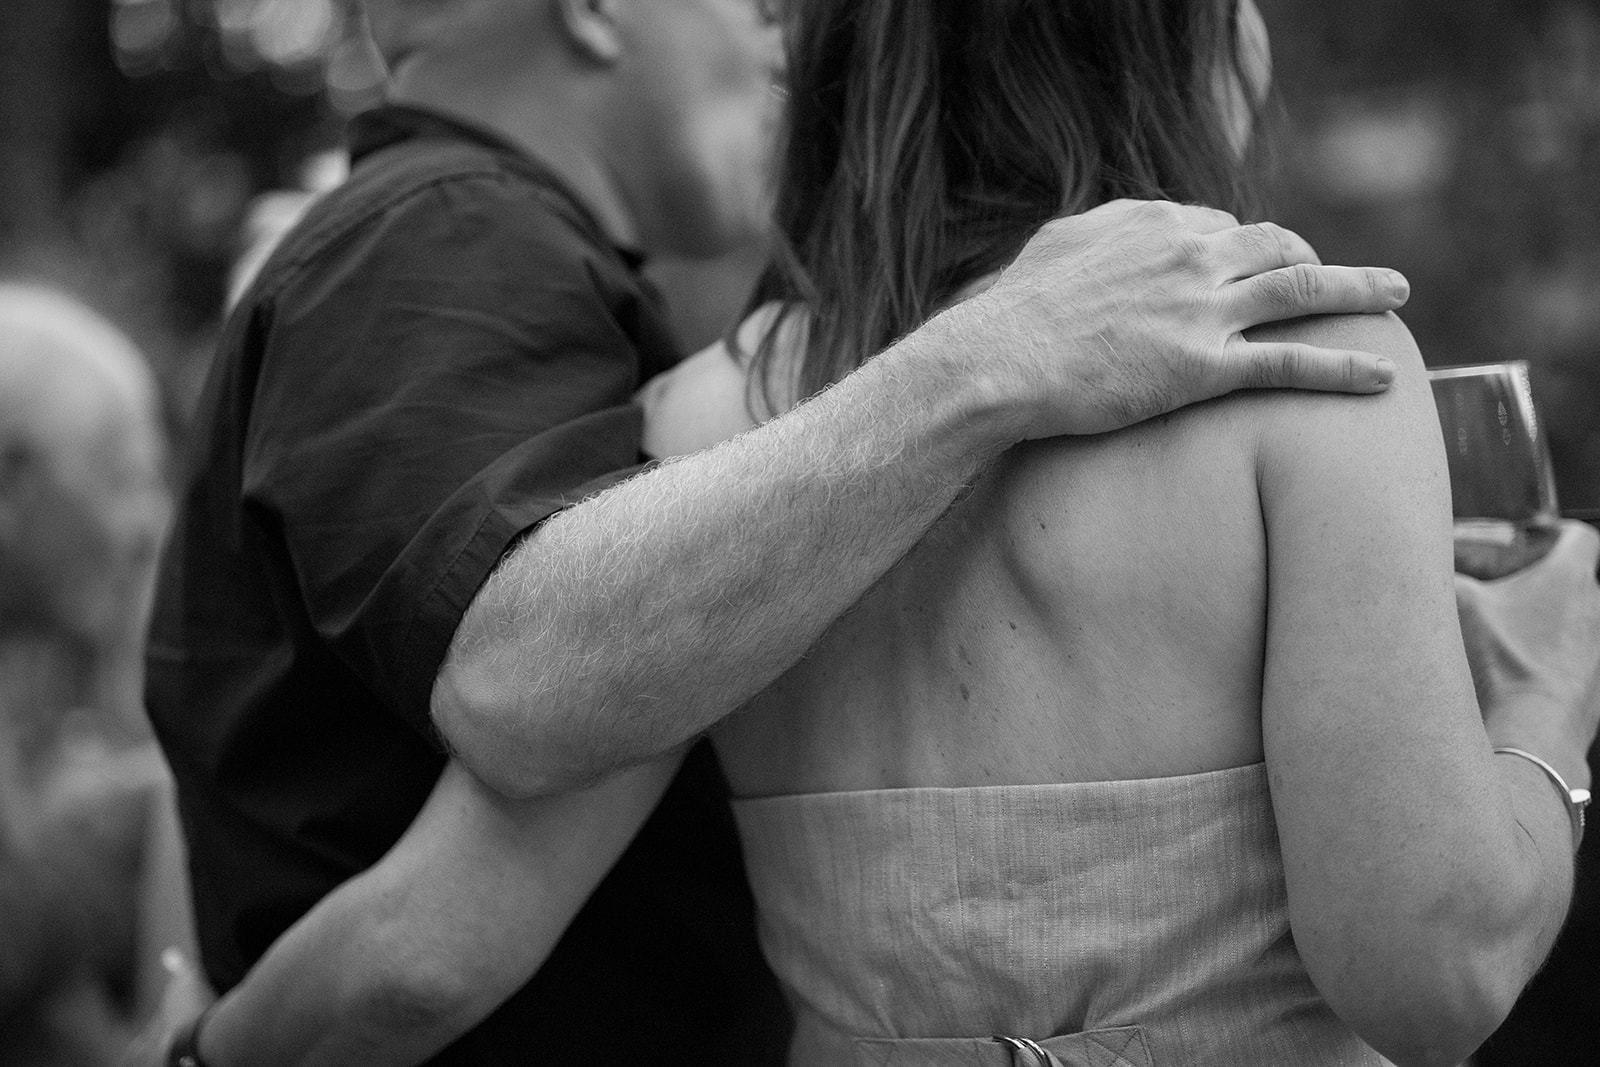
<point x="391" y="124"/>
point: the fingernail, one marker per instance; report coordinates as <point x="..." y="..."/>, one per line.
<point x="1398" y="282"/>
<point x="1384" y="373"/>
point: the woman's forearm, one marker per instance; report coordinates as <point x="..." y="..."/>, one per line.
<point x="1446" y="968"/>
<point x="397" y="963"/>
<point x="1533" y="640"/>
<point x="326" y="994"/>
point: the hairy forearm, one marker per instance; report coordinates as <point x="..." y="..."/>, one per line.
<point x="642" y="616"/>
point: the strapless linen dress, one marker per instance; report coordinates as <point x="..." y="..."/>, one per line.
<point x="1138" y="923"/>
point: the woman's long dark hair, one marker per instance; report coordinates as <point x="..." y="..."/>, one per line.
<point x="928" y="139"/>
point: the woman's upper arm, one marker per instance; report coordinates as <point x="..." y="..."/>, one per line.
<point x="1364" y="652"/>
<point x="1373" y="741"/>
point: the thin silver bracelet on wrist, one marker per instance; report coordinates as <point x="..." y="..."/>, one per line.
<point x="1575" y="799"/>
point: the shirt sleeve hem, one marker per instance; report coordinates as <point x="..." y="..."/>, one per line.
<point x="440" y="610"/>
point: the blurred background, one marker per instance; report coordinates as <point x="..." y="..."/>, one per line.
<point x="146" y="144"/>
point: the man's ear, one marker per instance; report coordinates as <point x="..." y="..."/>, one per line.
<point x="592" y="26"/>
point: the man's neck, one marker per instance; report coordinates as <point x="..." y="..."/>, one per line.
<point x="556" y="126"/>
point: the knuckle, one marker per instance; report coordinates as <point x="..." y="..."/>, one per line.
<point x="1214" y="220"/>
<point x="1283" y="234"/>
<point x="1279" y="291"/>
<point x="1288" y="365"/>
<point x="1149" y="212"/>
<point x="1121" y="205"/>
<point x="1295" y="366"/>
<point x="1352" y="371"/>
<point x="1292" y="291"/>
<point x="1235" y="365"/>
<point x="1225" y="217"/>
<point x="1190" y="249"/>
<point x="1267" y="238"/>
<point x="1306" y="283"/>
<point x="1267" y="368"/>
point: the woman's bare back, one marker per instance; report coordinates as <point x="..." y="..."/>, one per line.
<point x="1092" y="609"/>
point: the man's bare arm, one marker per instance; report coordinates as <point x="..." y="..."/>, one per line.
<point x="637" y="619"/>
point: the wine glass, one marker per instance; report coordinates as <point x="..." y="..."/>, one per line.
<point x="1501" y="481"/>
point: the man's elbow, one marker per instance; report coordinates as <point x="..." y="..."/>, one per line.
<point x="507" y="745"/>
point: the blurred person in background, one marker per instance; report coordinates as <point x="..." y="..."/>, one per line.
<point x="90" y="879"/>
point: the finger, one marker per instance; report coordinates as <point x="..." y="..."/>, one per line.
<point x="1245" y="251"/>
<point x="1208" y="220"/>
<point x="1311" y="289"/>
<point x="1193" y="218"/>
<point x="1273" y="365"/>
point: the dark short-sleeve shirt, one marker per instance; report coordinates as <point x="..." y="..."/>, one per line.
<point x="438" y="357"/>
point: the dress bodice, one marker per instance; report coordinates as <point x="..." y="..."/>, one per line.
<point x="1150" y="914"/>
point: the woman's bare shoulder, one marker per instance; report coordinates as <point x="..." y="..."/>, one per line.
<point x="1381" y="453"/>
<point x="1406" y="405"/>
<point x="1375" y="460"/>
<point x="1382" y="334"/>
<point x="708" y="398"/>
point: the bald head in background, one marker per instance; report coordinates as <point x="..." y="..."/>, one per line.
<point x="82" y="497"/>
